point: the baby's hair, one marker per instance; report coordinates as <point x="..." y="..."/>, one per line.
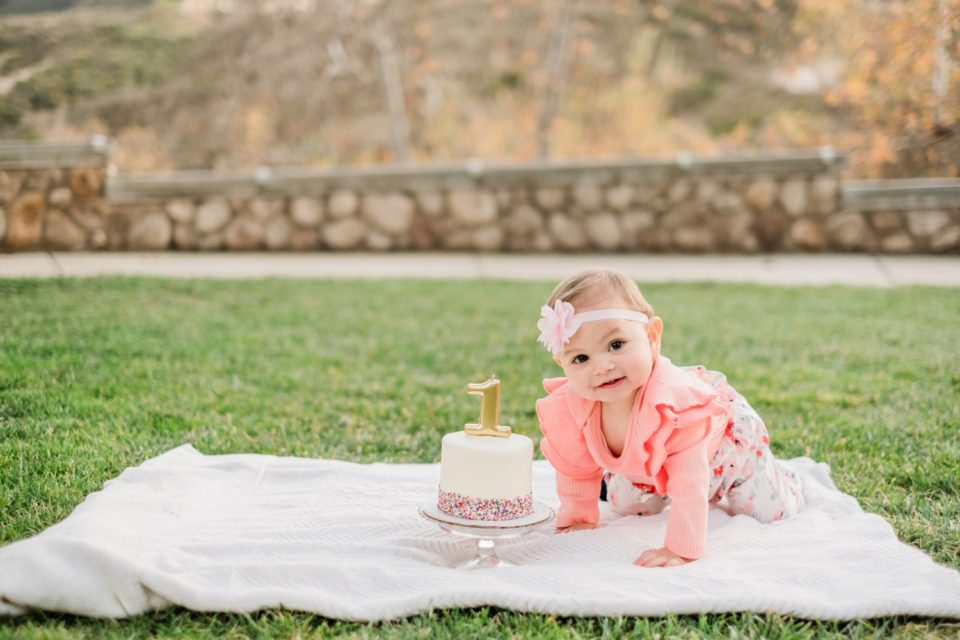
<point x="597" y="279"/>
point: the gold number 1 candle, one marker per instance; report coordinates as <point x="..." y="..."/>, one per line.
<point x="489" y="391"/>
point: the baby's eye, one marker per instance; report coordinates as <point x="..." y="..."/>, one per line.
<point x="579" y="359"/>
<point x="616" y="345"/>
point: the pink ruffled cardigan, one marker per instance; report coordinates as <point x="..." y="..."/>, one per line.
<point x="675" y="428"/>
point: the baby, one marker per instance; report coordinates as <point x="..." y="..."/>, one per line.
<point x="632" y="427"/>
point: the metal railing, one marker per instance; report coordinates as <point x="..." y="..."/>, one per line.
<point x="47" y="155"/>
<point x="894" y="195"/>
<point x="267" y="180"/>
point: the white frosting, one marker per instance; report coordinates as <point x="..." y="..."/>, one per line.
<point x="486" y="466"/>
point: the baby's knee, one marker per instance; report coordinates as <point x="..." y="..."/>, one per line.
<point x="627" y="498"/>
<point x="767" y="497"/>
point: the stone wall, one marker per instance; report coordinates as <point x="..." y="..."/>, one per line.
<point x="901" y="216"/>
<point x="53" y="196"/>
<point x="784" y="202"/>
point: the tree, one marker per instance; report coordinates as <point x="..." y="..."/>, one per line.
<point x="900" y="81"/>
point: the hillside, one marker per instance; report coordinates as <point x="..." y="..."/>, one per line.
<point x="282" y="82"/>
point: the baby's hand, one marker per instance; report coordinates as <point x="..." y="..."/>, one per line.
<point x="660" y="558"/>
<point x="579" y="526"/>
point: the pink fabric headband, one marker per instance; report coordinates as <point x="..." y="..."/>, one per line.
<point x="558" y="325"/>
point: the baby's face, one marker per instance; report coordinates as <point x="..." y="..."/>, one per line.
<point x="610" y="360"/>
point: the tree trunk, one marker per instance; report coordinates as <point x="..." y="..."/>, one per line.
<point x="393" y="89"/>
<point x="557" y="61"/>
<point x="941" y="71"/>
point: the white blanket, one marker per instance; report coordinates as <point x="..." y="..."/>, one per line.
<point x="245" y="532"/>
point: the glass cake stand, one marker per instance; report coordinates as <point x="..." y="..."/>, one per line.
<point x="486" y="533"/>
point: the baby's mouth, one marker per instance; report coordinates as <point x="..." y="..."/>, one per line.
<point x="610" y="384"/>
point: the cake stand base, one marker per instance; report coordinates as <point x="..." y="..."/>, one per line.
<point x="486" y="534"/>
<point x="486" y="556"/>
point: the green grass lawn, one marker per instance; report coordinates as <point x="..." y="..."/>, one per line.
<point x="100" y="374"/>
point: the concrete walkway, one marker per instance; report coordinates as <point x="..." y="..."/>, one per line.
<point x="789" y="269"/>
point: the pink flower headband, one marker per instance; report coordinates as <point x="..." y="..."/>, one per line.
<point x="558" y="325"/>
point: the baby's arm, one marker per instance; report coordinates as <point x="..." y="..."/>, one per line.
<point x="579" y="508"/>
<point x="688" y="479"/>
<point x="578" y="475"/>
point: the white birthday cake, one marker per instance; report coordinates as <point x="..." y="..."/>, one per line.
<point x="486" y="478"/>
<point x="486" y="470"/>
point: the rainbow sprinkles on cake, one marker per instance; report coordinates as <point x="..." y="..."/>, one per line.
<point x="486" y="470"/>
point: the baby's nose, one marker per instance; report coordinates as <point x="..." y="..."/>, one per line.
<point x="604" y="366"/>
